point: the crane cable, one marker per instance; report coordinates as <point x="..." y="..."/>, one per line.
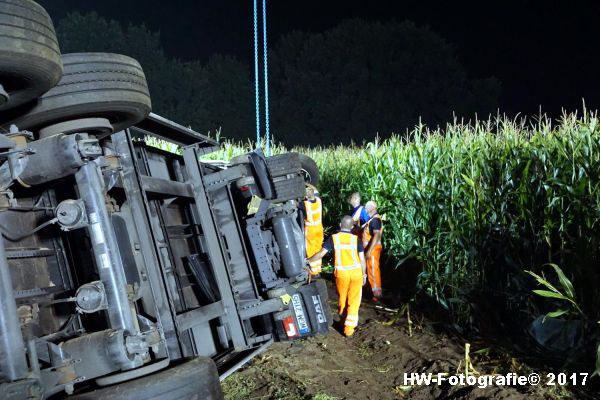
<point x="256" y="94"/>
<point x="267" y="133"/>
<point x="257" y="78"/>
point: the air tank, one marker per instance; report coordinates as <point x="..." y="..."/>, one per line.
<point x="291" y="253"/>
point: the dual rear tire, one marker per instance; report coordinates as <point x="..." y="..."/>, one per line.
<point x="94" y="85"/>
<point x="40" y="87"/>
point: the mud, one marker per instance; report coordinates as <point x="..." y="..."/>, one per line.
<point x="371" y="364"/>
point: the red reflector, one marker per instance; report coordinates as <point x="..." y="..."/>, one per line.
<point x="244" y="188"/>
<point x="290" y="327"/>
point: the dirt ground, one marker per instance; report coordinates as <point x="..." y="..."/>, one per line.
<point x="371" y="364"/>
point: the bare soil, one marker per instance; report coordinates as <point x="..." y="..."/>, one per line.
<point x="371" y="364"/>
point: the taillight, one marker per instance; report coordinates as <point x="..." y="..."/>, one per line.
<point x="290" y="327"/>
<point x="244" y="188"/>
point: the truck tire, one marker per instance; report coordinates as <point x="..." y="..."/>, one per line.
<point x="30" y="62"/>
<point x="284" y="164"/>
<point x="94" y="85"/>
<point x="196" y="379"/>
<point x="289" y="189"/>
<point x="309" y="169"/>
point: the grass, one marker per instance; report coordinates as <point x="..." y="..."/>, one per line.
<point x="238" y="386"/>
<point x="324" y="396"/>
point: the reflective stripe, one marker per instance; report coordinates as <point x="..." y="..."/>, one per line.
<point x="354" y="243"/>
<point x="346" y="268"/>
<point x="338" y="253"/>
<point x="351" y="320"/>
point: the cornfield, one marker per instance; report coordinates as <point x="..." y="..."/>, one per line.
<point x="475" y="205"/>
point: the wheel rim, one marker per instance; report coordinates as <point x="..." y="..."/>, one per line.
<point x="306" y="175"/>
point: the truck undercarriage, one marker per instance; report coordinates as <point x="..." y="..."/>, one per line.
<point x="129" y="272"/>
<point x="140" y="258"/>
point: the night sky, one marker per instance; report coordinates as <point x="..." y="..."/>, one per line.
<point x="543" y="52"/>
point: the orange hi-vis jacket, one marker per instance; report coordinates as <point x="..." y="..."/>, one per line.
<point x="348" y="278"/>
<point x="345" y="247"/>
<point x="313" y="232"/>
<point x="314" y="212"/>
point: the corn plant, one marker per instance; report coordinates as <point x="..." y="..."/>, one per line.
<point x="565" y="293"/>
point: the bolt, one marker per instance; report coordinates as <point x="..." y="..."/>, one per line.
<point x="69" y="388"/>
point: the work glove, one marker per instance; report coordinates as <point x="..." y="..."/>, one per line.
<point x="364" y="279"/>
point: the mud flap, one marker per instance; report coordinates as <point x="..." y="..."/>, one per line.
<point x="309" y="312"/>
<point x="317" y="307"/>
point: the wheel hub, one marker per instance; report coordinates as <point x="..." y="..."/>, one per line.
<point x="95" y="126"/>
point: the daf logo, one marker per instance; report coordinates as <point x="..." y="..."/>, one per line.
<point x="319" y="309"/>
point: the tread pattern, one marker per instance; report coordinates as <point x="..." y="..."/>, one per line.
<point x="289" y="189"/>
<point x="284" y="164"/>
<point x="103" y="85"/>
<point x="30" y="60"/>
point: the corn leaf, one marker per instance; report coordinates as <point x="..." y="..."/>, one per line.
<point x="543" y="281"/>
<point x="547" y="293"/>
<point x="555" y="314"/>
<point x="564" y="281"/>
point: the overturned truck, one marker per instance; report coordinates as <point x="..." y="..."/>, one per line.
<point x="129" y="272"/>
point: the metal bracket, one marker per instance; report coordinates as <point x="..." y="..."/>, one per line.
<point x="89" y="148"/>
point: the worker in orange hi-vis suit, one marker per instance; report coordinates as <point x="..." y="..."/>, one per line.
<point x="371" y="238"/>
<point x="350" y="272"/>
<point x="312" y="209"/>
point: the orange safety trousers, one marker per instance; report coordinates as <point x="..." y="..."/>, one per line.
<point x="373" y="271"/>
<point x="349" y="288"/>
<point x="314" y="237"/>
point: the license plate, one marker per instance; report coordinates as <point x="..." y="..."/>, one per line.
<point x="300" y="316"/>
